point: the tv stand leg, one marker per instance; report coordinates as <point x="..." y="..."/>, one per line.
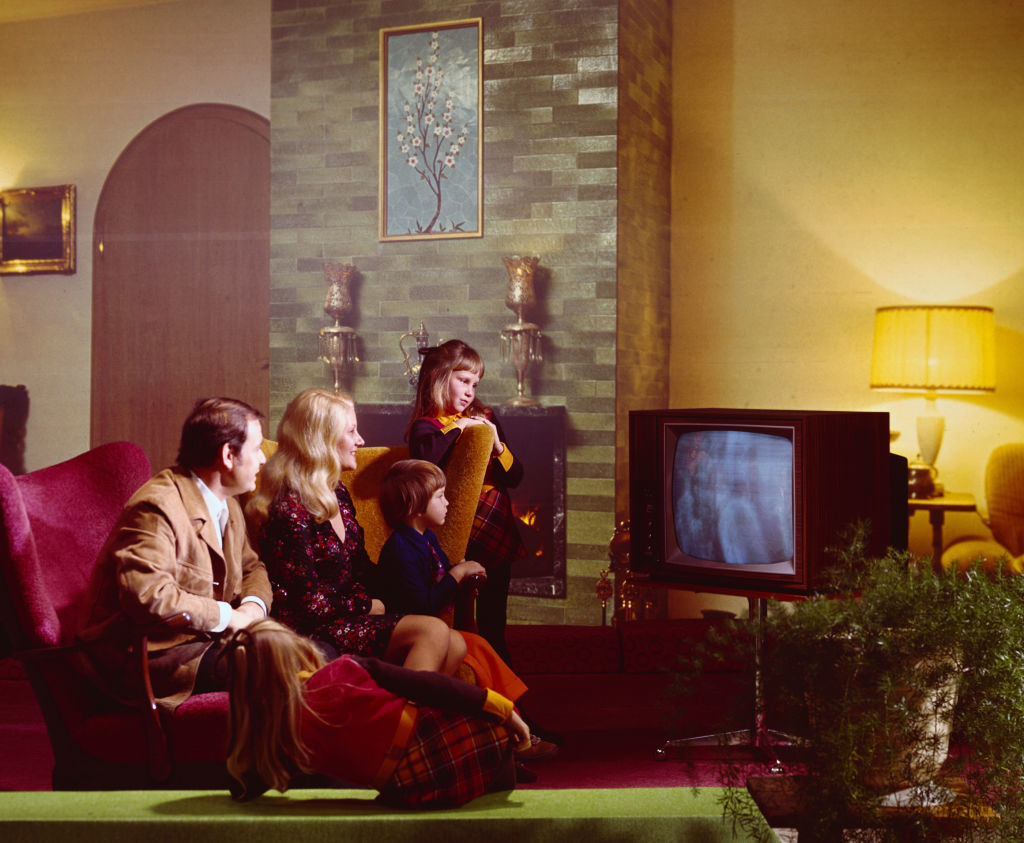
<point x="758" y="738"/>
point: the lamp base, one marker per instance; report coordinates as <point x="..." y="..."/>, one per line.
<point x="929" y="437"/>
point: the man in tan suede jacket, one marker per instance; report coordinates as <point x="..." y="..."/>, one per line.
<point x="168" y="554"/>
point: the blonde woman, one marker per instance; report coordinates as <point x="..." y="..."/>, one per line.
<point x="305" y="526"/>
<point x="422" y="739"/>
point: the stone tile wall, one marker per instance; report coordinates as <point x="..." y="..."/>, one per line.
<point x="551" y="82"/>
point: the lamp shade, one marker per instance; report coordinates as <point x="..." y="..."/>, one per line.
<point x="934" y="348"/>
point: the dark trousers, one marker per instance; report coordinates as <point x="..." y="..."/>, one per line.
<point x="213" y="671"/>
<point x="492" y="608"/>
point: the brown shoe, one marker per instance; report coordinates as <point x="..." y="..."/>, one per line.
<point x="538" y="749"/>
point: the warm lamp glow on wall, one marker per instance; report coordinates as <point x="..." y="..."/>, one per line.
<point x="932" y="349"/>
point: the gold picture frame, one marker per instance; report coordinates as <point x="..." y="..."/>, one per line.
<point x="37" y="230"/>
<point x="431" y="131"/>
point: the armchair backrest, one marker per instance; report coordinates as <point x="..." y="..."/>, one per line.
<point x="363" y="484"/>
<point x="1004" y="495"/>
<point x="53" y="524"/>
<point x="464" y="477"/>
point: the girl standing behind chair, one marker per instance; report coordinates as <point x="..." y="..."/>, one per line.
<point x="421" y="738"/>
<point x="446" y="404"/>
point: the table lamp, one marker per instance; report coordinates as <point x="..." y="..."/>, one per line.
<point x="932" y="349"/>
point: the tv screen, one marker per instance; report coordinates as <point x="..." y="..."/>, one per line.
<point x="732" y="498"/>
<point x="757" y="501"/>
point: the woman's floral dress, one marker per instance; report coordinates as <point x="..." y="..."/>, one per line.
<point x="320" y="583"/>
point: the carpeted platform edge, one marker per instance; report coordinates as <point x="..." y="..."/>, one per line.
<point x="594" y="815"/>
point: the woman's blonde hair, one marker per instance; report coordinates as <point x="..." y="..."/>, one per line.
<point x="306" y="461"/>
<point x="266" y="701"/>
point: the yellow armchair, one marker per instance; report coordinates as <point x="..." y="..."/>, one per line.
<point x="464" y="476"/>
<point x="464" y="479"/>
<point x="1004" y="495"/>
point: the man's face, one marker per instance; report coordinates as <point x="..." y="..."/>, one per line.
<point x="245" y="465"/>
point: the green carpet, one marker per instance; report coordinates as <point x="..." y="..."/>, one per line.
<point x="592" y="815"/>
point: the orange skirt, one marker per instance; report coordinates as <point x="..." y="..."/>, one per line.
<point x="491" y="672"/>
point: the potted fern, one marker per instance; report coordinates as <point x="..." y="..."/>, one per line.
<point x="874" y="677"/>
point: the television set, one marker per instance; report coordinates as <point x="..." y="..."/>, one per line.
<point x="755" y="501"/>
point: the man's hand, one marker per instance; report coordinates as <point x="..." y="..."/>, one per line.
<point x="253" y="609"/>
<point x="238" y="620"/>
<point x="244" y="615"/>
<point x="376" y="607"/>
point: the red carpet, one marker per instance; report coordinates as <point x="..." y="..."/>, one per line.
<point x="617" y="758"/>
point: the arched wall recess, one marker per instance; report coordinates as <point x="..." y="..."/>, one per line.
<point x="181" y="275"/>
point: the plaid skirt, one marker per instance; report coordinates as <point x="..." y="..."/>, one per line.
<point x="450" y="759"/>
<point x="494" y="538"/>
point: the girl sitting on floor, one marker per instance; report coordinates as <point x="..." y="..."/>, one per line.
<point x="421" y="738"/>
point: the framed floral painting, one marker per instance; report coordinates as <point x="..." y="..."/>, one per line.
<point x="431" y="148"/>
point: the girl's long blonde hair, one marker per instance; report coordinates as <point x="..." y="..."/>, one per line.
<point x="266" y="701"/>
<point x="306" y="461"/>
<point x="432" y="393"/>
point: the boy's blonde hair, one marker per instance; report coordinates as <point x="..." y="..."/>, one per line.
<point x="407" y="488"/>
<point x="266" y="701"/>
<point x="307" y="461"/>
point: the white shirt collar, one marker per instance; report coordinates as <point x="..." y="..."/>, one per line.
<point x="214" y="505"/>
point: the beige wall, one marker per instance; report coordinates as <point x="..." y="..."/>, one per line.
<point x="830" y="158"/>
<point x="75" y="91"/>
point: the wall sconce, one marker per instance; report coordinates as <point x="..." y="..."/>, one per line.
<point x="338" y="343"/>
<point x="521" y="341"/>
<point x="932" y="349"/>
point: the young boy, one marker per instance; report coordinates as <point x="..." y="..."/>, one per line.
<point x="414" y="574"/>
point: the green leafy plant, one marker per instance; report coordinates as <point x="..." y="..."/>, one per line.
<point x="866" y="674"/>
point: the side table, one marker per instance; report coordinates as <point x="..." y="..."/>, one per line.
<point x="937" y="508"/>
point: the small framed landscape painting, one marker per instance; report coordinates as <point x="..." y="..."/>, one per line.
<point x="37" y="230"/>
